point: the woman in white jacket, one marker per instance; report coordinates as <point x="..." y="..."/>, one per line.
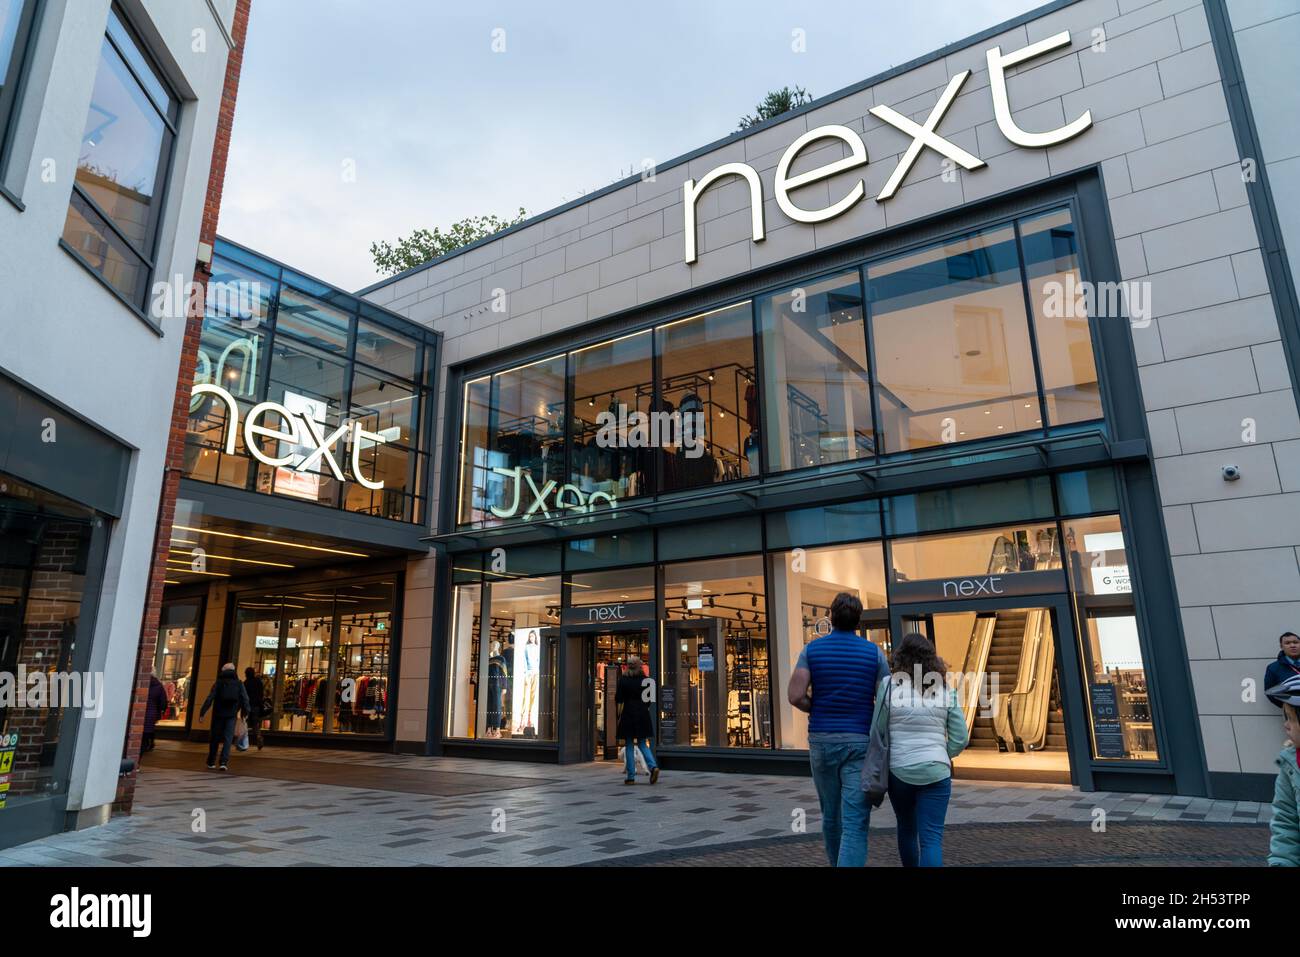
<point x="927" y="729"/>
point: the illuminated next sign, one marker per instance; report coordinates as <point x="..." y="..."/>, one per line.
<point x="923" y="136"/>
<point x="300" y="430"/>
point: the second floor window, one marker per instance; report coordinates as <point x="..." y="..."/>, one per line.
<point x="122" y="167"/>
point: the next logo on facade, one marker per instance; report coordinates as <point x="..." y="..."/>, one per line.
<point x="968" y="587"/>
<point x="923" y="136"/>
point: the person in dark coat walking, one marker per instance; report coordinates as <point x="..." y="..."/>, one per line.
<point x="227" y="699"/>
<point x="634" y="724"/>
<point x="155" y="707"/>
<point x="1287" y="664"/>
<point x="257" y="709"/>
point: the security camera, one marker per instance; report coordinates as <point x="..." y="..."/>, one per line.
<point x="1231" y="473"/>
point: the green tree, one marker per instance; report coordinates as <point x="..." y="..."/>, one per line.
<point x="774" y="104"/>
<point x="424" y="245"/>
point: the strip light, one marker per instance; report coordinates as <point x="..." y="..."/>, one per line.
<point x="270" y="541"/>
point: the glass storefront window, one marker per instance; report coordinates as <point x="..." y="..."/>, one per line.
<point x="1050" y="247"/>
<point x="263" y="340"/>
<point x="476" y="418"/>
<point x="520" y="660"/>
<point x="174" y="661"/>
<point x="1000" y="551"/>
<point x="816" y="375"/>
<point x="46" y="561"/>
<point x="386" y="350"/>
<point x="323" y="654"/>
<point x="707" y="377"/>
<point x="311" y="383"/>
<point x="527" y="435"/>
<point x="605" y="588"/>
<point x="1114" y="669"/>
<point x="951" y="341"/>
<point x="463" y="696"/>
<point x="613" y="386"/>
<point x="714" y="664"/>
<point x="804" y="583"/>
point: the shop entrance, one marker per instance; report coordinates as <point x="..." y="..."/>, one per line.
<point x="1015" y="656"/>
<point x="607" y="655"/>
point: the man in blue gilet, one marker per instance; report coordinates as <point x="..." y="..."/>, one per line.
<point x="835" y="682"/>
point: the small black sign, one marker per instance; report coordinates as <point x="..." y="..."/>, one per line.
<point x="1106" y="729"/>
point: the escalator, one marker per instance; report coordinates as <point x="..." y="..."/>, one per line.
<point x="1005" y="642"/>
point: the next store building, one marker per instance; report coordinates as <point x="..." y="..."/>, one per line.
<point x="862" y="324"/>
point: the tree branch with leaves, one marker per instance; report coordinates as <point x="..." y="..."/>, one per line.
<point x="424" y="245"/>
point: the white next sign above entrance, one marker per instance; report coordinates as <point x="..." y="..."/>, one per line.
<point x="923" y="136"/>
<point x="299" y="429"/>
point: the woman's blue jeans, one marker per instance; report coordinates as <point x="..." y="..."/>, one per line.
<point x="920" y="810"/>
<point x="644" y="746"/>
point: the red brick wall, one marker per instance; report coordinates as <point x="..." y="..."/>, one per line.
<point x="180" y="409"/>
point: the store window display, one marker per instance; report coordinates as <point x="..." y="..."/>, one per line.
<point x="1114" y="668"/>
<point x="178" y="638"/>
<point x="518" y="657"/>
<point x="804" y="584"/>
<point x="714" y="663"/>
<point x="324" y="653"/>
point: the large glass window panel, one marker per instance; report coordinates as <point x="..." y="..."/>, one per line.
<point x="1051" y="250"/>
<point x="816" y="375"/>
<point x="1119" y="700"/>
<point x="463" y="695"/>
<point x="625" y="548"/>
<point x="389" y="464"/>
<point x="305" y="382"/>
<point x="520" y="660"/>
<point x="941" y="509"/>
<point x="528" y="436"/>
<point x="15" y="24"/>
<point x="804" y="584"/>
<point x="361" y="663"/>
<point x="613" y="386"/>
<point x="475" y="456"/>
<point x="10" y="15"/>
<point x="715" y="688"/>
<point x="951" y="341"/>
<point x="104" y="251"/>
<point x="610" y="588"/>
<point x="311" y="321"/>
<point x="1000" y="551"/>
<point x="384" y="406"/>
<point x="384" y="349"/>
<point x="1098" y="559"/>
<point x="708" y="378"/>
<point x="124" y="137"/>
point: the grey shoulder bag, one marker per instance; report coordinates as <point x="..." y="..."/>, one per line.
<point x="875" y="769"/>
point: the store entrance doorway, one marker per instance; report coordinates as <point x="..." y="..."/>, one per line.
<point x="607" y="655"/>
<point x="1015" y="657"/>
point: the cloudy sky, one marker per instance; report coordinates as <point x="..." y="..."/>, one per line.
<point x="361" y="120"/>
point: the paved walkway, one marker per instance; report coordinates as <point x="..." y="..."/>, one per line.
<point x="298" y="806"/>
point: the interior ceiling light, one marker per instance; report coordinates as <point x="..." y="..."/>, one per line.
<point x="246" y="561"/>
<point x="270" y="541"/>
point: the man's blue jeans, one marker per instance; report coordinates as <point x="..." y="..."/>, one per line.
<point x="920" y="810"/>
<point x="644" y="746"/>
<point x="837" y="773"/>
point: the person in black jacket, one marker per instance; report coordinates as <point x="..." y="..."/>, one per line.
<point x="227" y="699"/>
<point x="634" y="724"/>
<point x="257" y="709"/>
<point x="155" y="708"/>
<point x="1287" y="664"/>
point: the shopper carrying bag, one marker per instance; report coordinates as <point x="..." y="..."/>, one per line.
<point x="241" y="734"/>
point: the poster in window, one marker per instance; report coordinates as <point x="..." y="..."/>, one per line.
<point x="523" y="692"/>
